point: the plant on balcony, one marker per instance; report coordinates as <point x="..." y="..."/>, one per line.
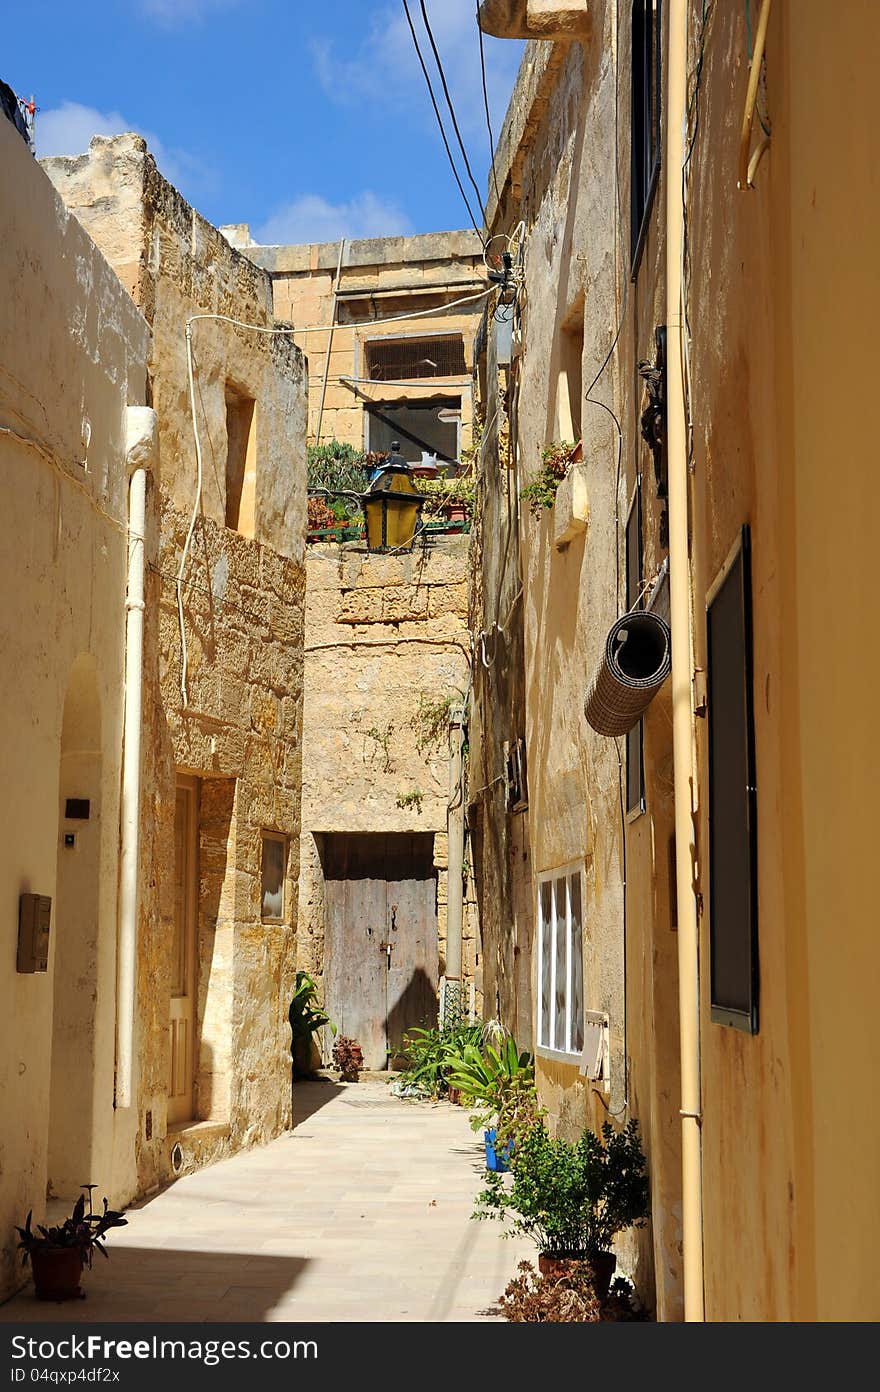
<point x="448" y="499"/>
<point x="337" y="465"/>
<point x="556" y="460"/>
<point x="58" y="1254"/>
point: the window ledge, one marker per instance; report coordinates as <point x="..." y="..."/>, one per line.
<point x="197" y="1130"/>
<point x="571" y="508"/>
<point x="558" y="1056"/>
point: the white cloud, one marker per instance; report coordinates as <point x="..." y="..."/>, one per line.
<point x="68" y="128"/>
<point x="385" y="67"/>
<point x="311" y="218"/>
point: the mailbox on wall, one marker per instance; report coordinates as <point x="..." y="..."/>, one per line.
<point x="34" y="914"/>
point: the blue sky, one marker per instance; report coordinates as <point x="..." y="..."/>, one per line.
<point x="309" y="119"/>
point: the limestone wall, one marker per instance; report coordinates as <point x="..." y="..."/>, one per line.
<point x="237" y="731"/>
<point x="73" y="355"/>
<point x="381" y="278"/>
<point x="556" y="171"/>
<point x="383" y="635"/>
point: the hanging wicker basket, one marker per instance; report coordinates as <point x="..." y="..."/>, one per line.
<point x="634" y="665"/>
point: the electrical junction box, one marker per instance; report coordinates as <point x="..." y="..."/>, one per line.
<point x="34" y="915"/>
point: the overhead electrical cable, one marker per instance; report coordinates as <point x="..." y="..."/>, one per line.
<point x="486" y="105"/>
<point x="461" y="145"/>
<point x="440" y="122"/>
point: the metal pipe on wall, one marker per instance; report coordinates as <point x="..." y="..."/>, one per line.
<point x="455" y="858"/>
<point x="330" y="340"/>
<point x="141" y="437"/>
<point x="681" y="624"/>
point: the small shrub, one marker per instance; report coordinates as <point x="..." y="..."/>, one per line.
<point x="540" y="491"/>
<point x="348" y="1057"/>
<point x="320" y="515"/>
<point x="412" y="799"/>
<point x="534" y="1299"/>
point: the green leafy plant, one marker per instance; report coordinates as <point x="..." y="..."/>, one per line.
<point x="500" y="1079"/>
<point x="337" y="465"/>
<point x="381" y="740"/>
<point x="306" y="1018"/>
<point x="540" y="491"/>
<point x="571" y="1198"/>
<point x="411" y="799"/>
<point x="429" y="1054"/>
<point x="83" y="1232"/>
<point x="431" y="719"/>
<point x="443" y="493"/>
<point x="348" y="1058"/>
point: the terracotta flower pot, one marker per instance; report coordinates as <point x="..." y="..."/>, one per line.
<point x="601" y="1264"/>
<point x="57" y="1272"/>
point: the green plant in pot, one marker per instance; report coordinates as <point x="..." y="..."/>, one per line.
<point x="58" y="1254"/>
<point x="572" y="1198"/>
<point x="498" y="1078"/>
<point x="306" y="1018"/>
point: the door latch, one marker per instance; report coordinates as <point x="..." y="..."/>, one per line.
<point x="387" y="948"/>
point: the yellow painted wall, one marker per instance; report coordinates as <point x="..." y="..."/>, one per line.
<point x="786" y="297"/>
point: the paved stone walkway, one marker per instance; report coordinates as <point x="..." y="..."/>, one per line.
<point x="361" y="1213"/>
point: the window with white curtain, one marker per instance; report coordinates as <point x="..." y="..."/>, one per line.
<point x="561" y="962"/>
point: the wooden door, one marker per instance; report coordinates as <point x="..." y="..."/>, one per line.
<point x="380" y="952"/>
<point x="183" y="952"/>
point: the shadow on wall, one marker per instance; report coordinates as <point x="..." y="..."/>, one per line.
<point x="160" y="1284"/>
<point x="416" y="1006"/>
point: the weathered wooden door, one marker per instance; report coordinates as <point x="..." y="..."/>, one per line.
<point x="380" y="949"/>
<point x="183" y="952"/>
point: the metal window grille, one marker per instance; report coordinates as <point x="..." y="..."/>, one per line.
<point x="408" y="359"/>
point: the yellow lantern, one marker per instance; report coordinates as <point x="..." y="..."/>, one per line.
<point x="392" y="505"/>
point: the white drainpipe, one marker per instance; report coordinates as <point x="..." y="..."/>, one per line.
<point x="140" y="455"/>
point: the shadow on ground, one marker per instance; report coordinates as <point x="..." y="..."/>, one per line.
<point x="162" y="1283"/>
<point x="310" y="1095"/>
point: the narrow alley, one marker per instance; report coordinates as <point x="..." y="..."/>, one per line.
<point x="361" y="1213"/>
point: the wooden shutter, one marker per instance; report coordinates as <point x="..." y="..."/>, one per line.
<point x="733" y="884"/>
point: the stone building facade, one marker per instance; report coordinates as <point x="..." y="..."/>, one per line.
<point x="73" y="359"/>
<point x="409" y="380"/>
<point x="222" y="759"/>
<point x="386" y="641"/>
<point x="778" y="321"/>
<point x="386" y="637"/>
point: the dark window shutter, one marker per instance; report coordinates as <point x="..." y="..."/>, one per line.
<point x="733" y="886"/>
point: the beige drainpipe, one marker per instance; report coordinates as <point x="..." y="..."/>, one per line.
<point x="681" y="614"/>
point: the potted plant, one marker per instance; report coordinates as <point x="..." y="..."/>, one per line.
<point x="572" y="1198"/>
<point x="556" y="460"/>
<point x="306" y="1018"/>
<point x="58" y="1254"/>
<point x="501" y="1080"/>
<point x="348" y="1058"/>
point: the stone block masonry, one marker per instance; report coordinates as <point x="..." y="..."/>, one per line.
<point x="233" y="741"/>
